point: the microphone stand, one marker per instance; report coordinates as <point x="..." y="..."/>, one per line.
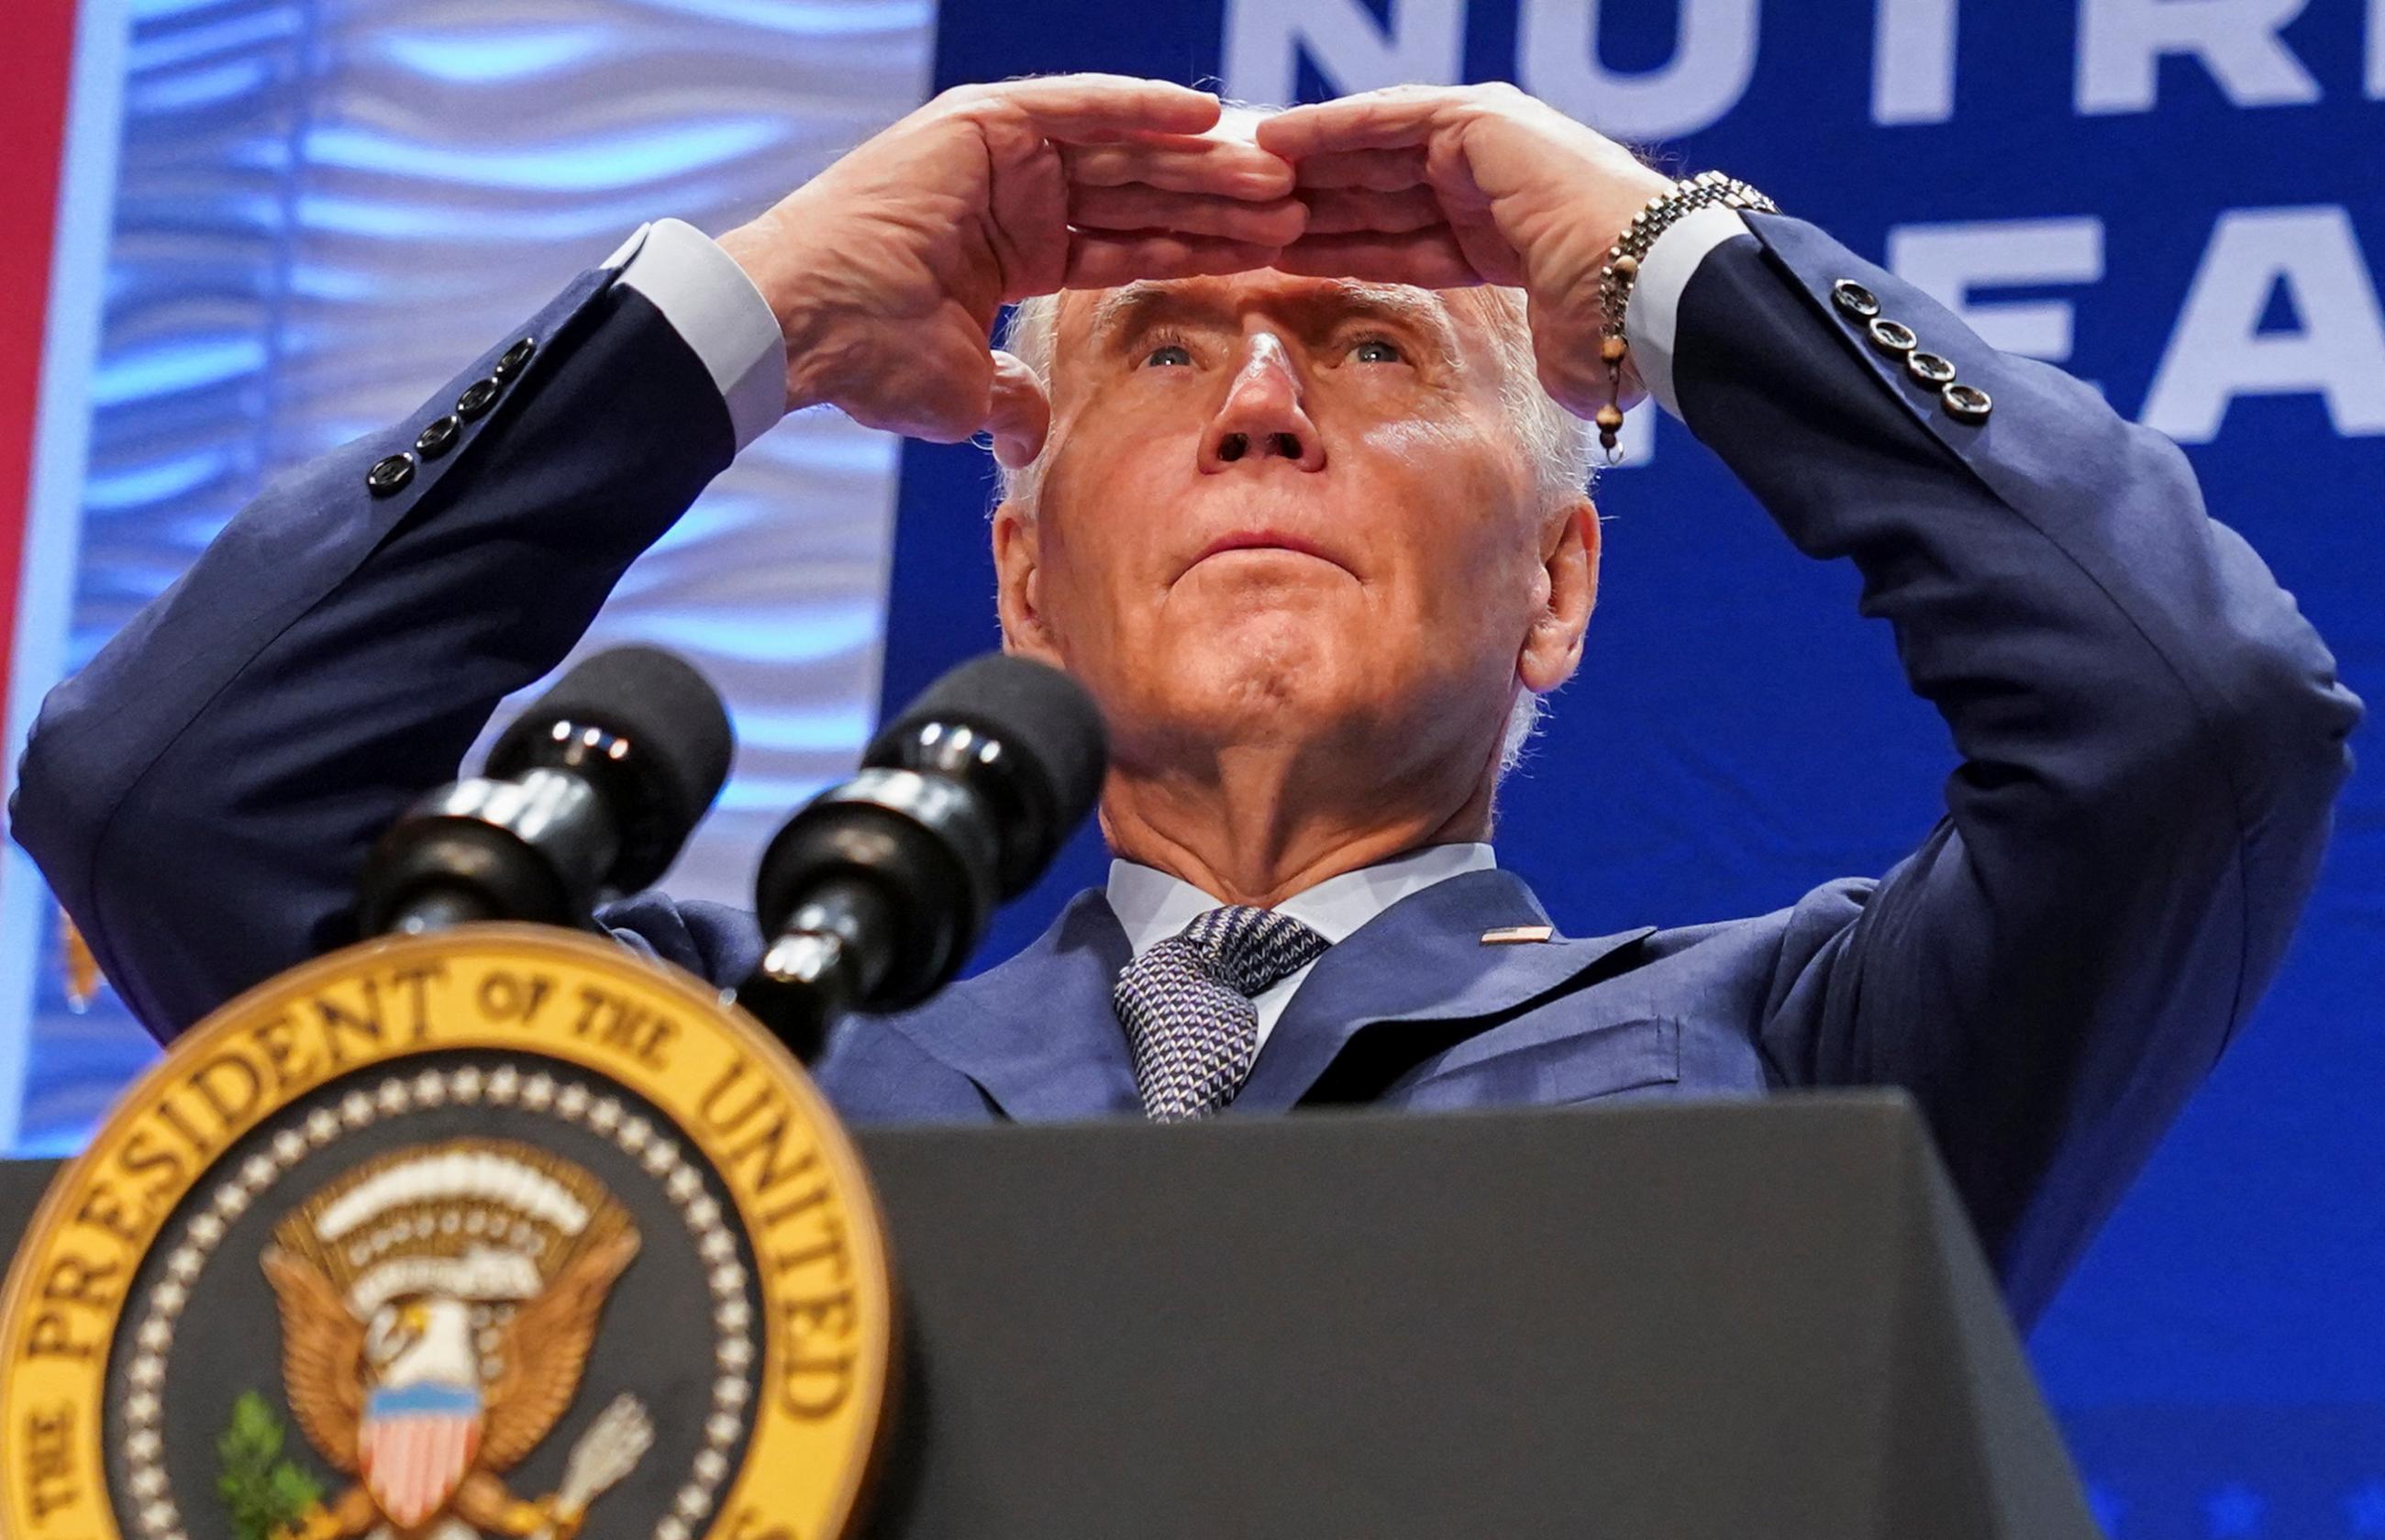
<point x="832" y="952"/>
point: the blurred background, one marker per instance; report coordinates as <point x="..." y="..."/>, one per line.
<point x="242" y="232"/>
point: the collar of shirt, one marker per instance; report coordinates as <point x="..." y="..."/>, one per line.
<point x="1151" y="905"/>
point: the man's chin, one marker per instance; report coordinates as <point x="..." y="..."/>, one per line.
<point x="1256" y="678"/>
<point x="1241" y="610"/>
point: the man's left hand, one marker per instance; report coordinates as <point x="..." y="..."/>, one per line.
<point x="1445" y="186"/>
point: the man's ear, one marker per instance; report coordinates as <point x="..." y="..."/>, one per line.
<point x="1569" y="567"/>
<point x="1018" y="563"/>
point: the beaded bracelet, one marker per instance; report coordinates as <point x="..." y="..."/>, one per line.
<point x="1707" y="189"/>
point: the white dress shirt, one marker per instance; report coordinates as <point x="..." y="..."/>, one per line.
<point x="1152" y="906"/>
<point x="711" y="303"/>
<point x="715" y="309"/>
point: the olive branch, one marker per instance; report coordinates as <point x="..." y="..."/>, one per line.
<point x="262" y="1491"/>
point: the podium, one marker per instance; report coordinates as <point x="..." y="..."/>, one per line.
<point x="1760" y="1321"/>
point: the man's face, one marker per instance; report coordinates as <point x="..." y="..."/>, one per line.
<point x="1275" y="505"/>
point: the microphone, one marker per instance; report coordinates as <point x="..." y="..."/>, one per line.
<point x="592" y="790"/>
<point x="876" y="891"/>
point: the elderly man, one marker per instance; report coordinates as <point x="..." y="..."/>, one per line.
<point x="1295" y="487"/>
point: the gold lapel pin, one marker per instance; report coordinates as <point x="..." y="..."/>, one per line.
<point x="1509" y="936"/>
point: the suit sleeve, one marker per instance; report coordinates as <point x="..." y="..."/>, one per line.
<point x="200" y="796"/>
<point x="2151" y="740"/>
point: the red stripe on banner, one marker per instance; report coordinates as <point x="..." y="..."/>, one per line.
<point x="33" y="124"/>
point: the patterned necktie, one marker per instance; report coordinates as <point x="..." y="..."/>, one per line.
<point x="1186" y="1006"/>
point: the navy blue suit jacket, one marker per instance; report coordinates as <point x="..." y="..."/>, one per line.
<point x="2151" y="738"/>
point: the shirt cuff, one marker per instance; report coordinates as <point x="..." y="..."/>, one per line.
<point x="1652" y="316"/>
<point x="717" y="311"/>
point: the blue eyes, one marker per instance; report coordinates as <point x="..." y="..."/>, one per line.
<point x="1376" y="349"/>
<point x="1169" y="355"/>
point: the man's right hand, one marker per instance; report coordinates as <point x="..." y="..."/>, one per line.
<point x="886" y="271"/>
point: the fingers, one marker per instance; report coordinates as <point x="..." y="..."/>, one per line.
<point x="1227" y="167"/>
<point x="1102" y="259"/>
<point x="1384" y="170"/>
<point x="1093" y="108"/>
<point x="1487" y="252"/>
<point x="1345" y="211"/>
<point x="1018" y="413"/>
<point x="1394" y="117"/>
<point x="1275" y="223"/>
<point x="1228" y="196"/>
<point x="1427" y="258"/>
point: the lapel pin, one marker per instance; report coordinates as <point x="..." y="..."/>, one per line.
<point x="1508" y="936"/>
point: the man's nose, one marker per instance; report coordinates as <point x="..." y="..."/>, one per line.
<point x="1263" y="415"/>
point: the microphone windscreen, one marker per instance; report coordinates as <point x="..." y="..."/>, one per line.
<point x="1039" y="715"/>
<point x="680" y="740"/>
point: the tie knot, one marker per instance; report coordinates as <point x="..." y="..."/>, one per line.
<point x="1250" y="950"/>
<point x="1186" y="1005"/>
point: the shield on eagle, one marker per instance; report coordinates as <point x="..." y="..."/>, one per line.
<point x="415" y="1445"/>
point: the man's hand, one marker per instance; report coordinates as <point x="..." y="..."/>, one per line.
<point x="886" y="271"/>
<point x="1443" y="186"/>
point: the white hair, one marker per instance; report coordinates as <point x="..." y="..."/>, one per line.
<point x="1554" y="442"/>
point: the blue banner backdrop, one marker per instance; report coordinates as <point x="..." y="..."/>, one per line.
<point x="2182" y="202"/>
<point x="321" y="209"/>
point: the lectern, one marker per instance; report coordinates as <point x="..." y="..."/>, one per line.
<point x="1752" y="1321"/>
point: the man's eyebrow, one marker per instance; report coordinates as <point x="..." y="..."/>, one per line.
<point x="1415" y="308"/>
<point x="1120" y="311"/>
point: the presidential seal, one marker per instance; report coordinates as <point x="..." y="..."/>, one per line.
<point x="496" y="1232"/>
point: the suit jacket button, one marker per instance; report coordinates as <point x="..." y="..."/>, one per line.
<point x="439" y="437"/>
<point x="477" y="397"/>
<point x="1891" y="336"/>
<point x="1966" y="404"/>
<point x="1928" y="368"/>
<point x="390" y="476"/>
<point x="1855" y="299"/>
<point x="515" y="358"/>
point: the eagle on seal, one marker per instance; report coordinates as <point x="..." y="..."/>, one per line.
<point x="437" y="1312"/>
